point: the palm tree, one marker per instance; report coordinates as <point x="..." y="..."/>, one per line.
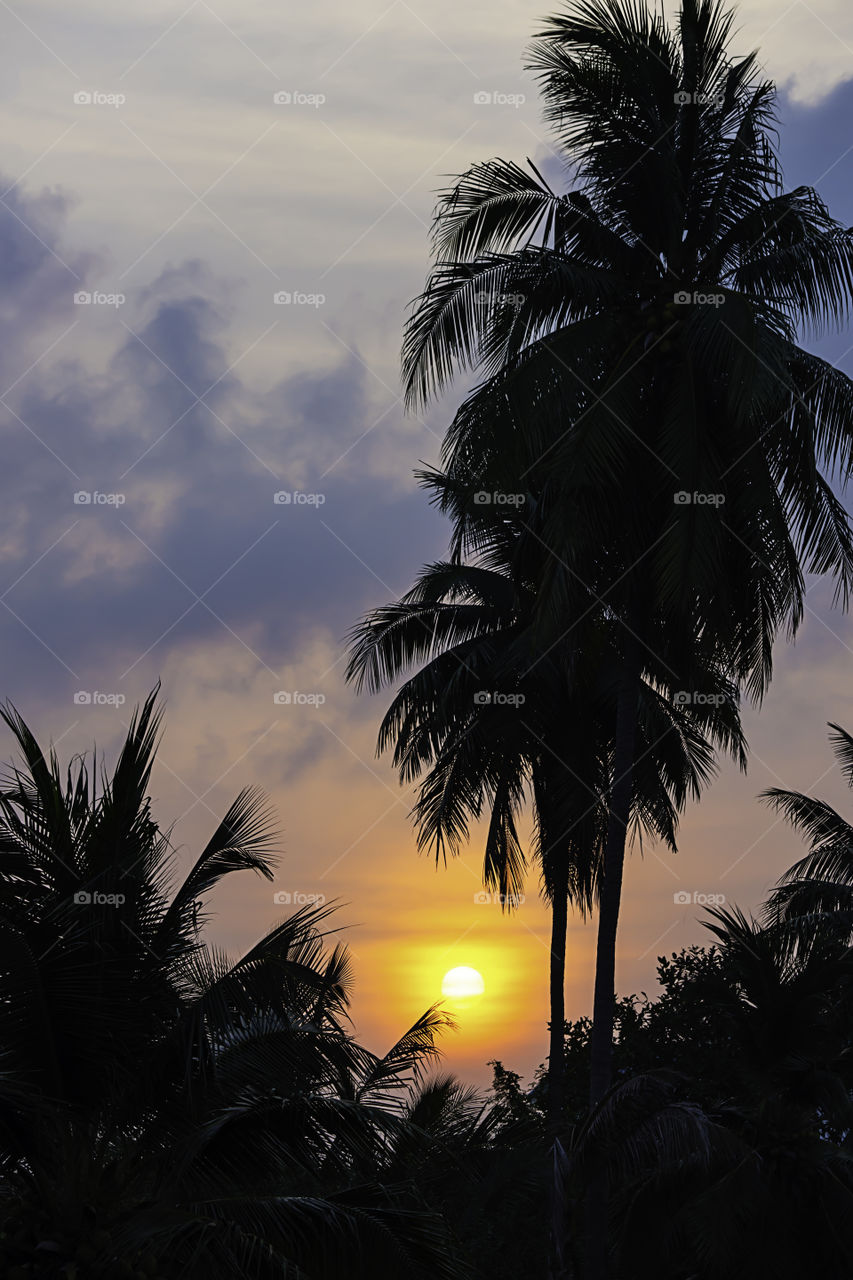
<point x="637" y="336"/>
<point x="165" y="1109"/>
<point x="489" y="719"/>
<point x="487" y="1175"/>
<point x="816" y="894"/>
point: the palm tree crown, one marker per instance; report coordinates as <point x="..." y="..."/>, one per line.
<point x="162" y="1106"/>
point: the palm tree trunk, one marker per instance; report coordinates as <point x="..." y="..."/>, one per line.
<point x="601" y="1040"/>
<point x="556" y="1062"/>
<point x="556" y="1056"/>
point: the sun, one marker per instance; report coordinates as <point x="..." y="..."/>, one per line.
<point x="461" y="982"/>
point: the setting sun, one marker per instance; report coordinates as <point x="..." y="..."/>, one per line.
<point x="462" y="982"/>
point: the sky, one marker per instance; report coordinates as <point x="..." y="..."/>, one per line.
<point x="212" y="219"/>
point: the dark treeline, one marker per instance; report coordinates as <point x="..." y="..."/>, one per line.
<point x="168" y="1111"/>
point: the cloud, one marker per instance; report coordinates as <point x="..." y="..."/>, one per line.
<point x="143" y="409"/>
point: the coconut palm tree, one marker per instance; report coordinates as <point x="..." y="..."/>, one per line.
<point x="815" y="896"/>
<point x="637" y="336"/>
<point x="488" y="721"/>
<point x="486" y="1173"/>
<point x="164" y="1108"/>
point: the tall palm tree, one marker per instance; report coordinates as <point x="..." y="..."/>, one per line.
<point x="489" y="720"/>
<point x="637" y="336"/>
<point x="165" y="1109"/>
<point x="543" y="728"/>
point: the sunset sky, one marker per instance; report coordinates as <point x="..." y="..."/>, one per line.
<point x="147" y="165"/>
